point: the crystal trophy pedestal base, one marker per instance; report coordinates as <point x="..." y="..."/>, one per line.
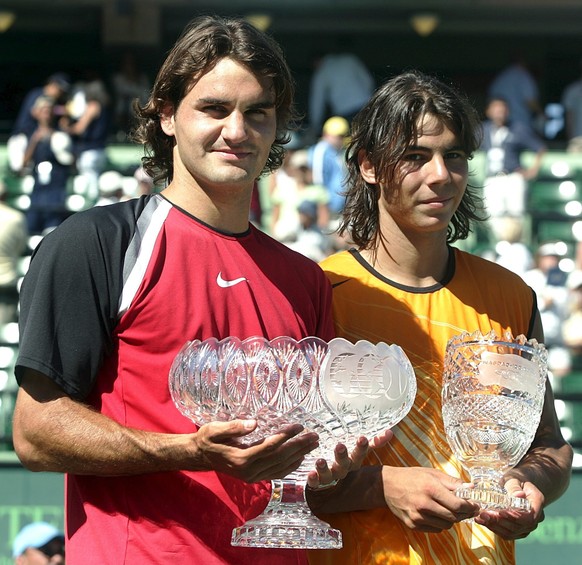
<point x="489" y="494"/>
<point x="287" y="522"/>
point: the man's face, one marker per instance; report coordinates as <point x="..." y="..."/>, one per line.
<point x="53" y="90"/>
<point x="498" y="112"/>
<point x="223" y="128"/>
<point x="52" y="553"/>
<point x="430" y="182"/>
<point x="43" y="113"/>
<point x="336" y="141"/>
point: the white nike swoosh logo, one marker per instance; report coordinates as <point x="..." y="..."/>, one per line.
<point x="225" y="284"/>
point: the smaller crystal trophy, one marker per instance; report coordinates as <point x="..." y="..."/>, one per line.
<point x="492" y="400"/>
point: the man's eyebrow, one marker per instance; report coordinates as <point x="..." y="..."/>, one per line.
<point x="455" y="147"/>
<point x="263" y="104"/>
<point x="212" y="101"/>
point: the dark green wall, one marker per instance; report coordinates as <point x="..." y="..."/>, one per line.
<point x="27" y="497"/>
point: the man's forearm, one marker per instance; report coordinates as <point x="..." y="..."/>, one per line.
<point x="359" y="490"/>
<point x="549" y="469"/>
<point x="65" y="436"/>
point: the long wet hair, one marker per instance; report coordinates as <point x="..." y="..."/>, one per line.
<point x="383" y="131"/>
<point x="204" y="42"/>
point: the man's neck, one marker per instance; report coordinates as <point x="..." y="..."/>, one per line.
<point x="225" y="209"/>
<point x="421" y="263"/>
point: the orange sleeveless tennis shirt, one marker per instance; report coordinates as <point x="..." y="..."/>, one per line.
<point x="475" y="295"/>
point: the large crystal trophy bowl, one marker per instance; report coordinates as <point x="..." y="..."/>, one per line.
<point x="492" y="399"/>
<point x="337" y="389"/>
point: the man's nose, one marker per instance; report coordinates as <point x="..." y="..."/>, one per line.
<point x="439" y="172"/>
<point x="235" y="127"/>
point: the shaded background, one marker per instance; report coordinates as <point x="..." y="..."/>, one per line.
<point x="472" y="40"/>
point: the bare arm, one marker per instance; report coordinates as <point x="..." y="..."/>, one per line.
<point x="423" y="499"/>
<point x="53" y="432"/>
<point x="542" y="476"/>
<point x="548" y="462"/>
<point x="41" y="132"/>
<point x="91" y="113"/>
<point x="532" y="172"/>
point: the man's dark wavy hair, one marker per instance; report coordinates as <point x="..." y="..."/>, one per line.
<point x="384" y="129"/>
<point x="204" y="42"/>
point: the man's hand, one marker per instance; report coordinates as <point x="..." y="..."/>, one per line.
<point x="324" y="476"/>
<point x="274" y="457"/>
<point x="424" y="499"/>
<point x="515" y="524"/>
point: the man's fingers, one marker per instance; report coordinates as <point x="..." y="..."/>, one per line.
<point x="222" y="432"/>
<point x="381" y="439"/>
<point x="359" y="453"/>
<point x="320" y="476"/>
<point x="274" y="456"/>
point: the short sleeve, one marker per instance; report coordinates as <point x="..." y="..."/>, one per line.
<point x="70" y="295"/>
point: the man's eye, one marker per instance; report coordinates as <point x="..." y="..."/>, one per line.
<point x="214" y="109"/>
<point x="456" y="155"/>
<point x="413" y="157"/>
<point x="257" y="113"/>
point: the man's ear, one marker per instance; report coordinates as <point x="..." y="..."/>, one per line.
<point x="167" y="120"/>
<point x="367" y="170"/>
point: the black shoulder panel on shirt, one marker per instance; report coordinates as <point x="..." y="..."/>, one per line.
<point x="70" y="295"/>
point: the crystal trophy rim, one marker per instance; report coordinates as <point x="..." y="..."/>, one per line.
<point x="520" y="342"/>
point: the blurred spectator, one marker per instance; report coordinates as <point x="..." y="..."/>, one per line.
<point x="340" y="86"/>
<point x="90" y="114"/>
<point x="327" y="162"/>
<point x="517" y="86"/>
<point x="549" y="283"/>
<point x="39" y="543"/>
<point x="56" y="88"/>
<point x="505" y="141"/>
<point x="287" y="197"/>
<point x="49" y="153"/>
<point x="572" y="328"/>
<point x="145" y="183"/>
<point x="554" y="120"/>
<point x="129" y="84"/>
<point x="281" y="176"/>
<point x="116" y="187"/>
<point x="572" y="102"/>
<point x="511" y="252"/>
<point x="110" y="188"/>
<point x="13" y="239"/>
<point x="310" y="240"/>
